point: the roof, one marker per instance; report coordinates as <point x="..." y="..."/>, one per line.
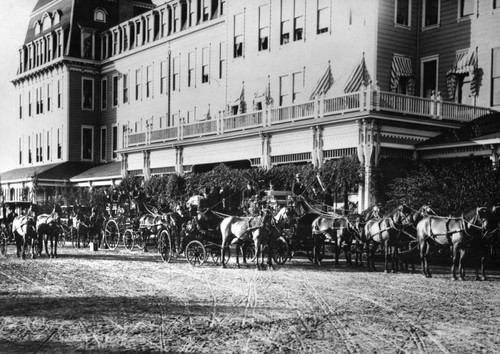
<point x="485" y="127"/>
<point x="55" y="171"/>
<point x="108" y="170"/>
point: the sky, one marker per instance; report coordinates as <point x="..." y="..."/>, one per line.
<point x="13" y="25"/>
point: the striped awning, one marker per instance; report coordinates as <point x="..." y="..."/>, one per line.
<point x="359" y="76"/>
<point x="401" y="67"/>
<point x="465" y="62"/>
<point x="324" y="83"/>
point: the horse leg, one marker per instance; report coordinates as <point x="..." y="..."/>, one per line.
<point x="55" y="237"/>
<point x="18" y="239"/>
<point x="454" y="260"/>
<point x="461" y="269"/>
<point x="387" y="255"/>
<point x="223" y="253"/>
<point x="45" y="238"/>
<point x="258" y="253"/>
<point x="270" y="251"/>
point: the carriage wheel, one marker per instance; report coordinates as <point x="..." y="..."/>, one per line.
<point x="165" y="246"/>
<point x="128" y="239"/>
<point x="61" y="240"/>
<point x="196" y="254"/>
<point x="281" y="251"/>
<point x="112" y="234"/>
<point x="139" y="240"/>
<point x="248" y="252"/>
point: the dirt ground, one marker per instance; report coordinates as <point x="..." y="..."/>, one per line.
<point x="120" y="301"/>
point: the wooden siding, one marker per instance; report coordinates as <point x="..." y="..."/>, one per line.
<point x="79" y="117"/>
<point x="394" y="39"/>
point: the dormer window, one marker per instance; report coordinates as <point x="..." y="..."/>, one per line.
<point x="100" y="15"/>
<point x="46" y="22"/>
<point x="56" y="17"/>
<point x="37" y="27"/>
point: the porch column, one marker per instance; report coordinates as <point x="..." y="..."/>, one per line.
<point x="124" y="165"/>
<point x="179" y="168"/>
<point x="314" y="154"/>
<point x="266" y="151"/>
<point x="146" y="168"/>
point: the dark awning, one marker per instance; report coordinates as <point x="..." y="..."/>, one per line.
<point x="107" y="171"/>
<point x="62" y="172"/>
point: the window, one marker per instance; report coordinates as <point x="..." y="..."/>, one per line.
<point x="177" y="18"/>
<point x="48" y="40"/>
<point x="263" y="27"/>
<point x="59" y="146"/>
<point x="495" y="77"/>
<point x="125" y="88"/>
<point x="138" y="40"/>
<point x="87" y="94"/>
<point x="87" y="45"/>
<point x="222" y="59"/>
<point x="205" y="58"/>
<point x="149" y="81"/>
<point x="37" y="27"/>
<point x="29" y="104"/>
<point x="59" y="43"/>
<point x="39" y="100"/>
<point x="104" y="94"/>
<point x="20" y="151"/>
<point x="206" y="10"/>
<point x="149" y="33"/>
<point x="103" y="143"/>
<point x="463" y="92"/>
<point x="114" y="140"/>
<point x="284" y="90"/>
<point x="115" y="90"/>
<point x="37" y="152"/>
<point x="175" y="76"/>
<point x="429" y="77"/>
<point x="191" y="64"/>
<point x="20" y="106"/>
<point x="403" y="12"/>
<point x="286" y="19"/>
<point x="137" y="84"/>
<point x="59" y="93"/>
<point x="46" y="22"/>
<point x="114" y="35"/>
<point x="163" y="23"/>
<point x="87" y="143"/>
<point x="48" y="146"/>
<point x="163" y="77"/>
<point x="238" y="36"/>
<point x="431" y="13"/>
<point x="125" y="38"/>
<point x="298" y="19"/>
<point x="222" y="6"/>
<point x="496" y="4"/>
<point x="100" y="16"/>
<point x="29" y="149"/>
<point x="297" y="87"/>
<point x="57" y="17"/>
<point x="323" y="17"/>
<point x="49" y="94"/>
<point x="465" y="7"/>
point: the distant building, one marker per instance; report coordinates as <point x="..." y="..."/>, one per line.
<point x="129" y="88"/>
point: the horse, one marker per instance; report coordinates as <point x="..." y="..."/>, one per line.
<point x="459" y="233"/>
<point x="385" y="231"/>
<point x="340" y="231"/>
<point x="24" y="231"/>
<point x="236" y="230"/>
<point x="48" y="228"/>
<point x="408" y="244"/>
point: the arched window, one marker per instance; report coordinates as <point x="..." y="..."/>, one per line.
<point x="46" y="22"/>
<point x="57" y="17"/>
<point x="100" y="15"/>
<point x="36" y="25"/>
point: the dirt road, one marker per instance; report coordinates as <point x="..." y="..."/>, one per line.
<point x="117" y="301"/>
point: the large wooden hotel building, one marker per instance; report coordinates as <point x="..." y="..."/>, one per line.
<point x="110" y="88"/>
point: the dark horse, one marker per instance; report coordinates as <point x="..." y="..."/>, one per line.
<point x="340" y="231"/>
<point x="386" y="232"/>
<point x="48" y="228"/>
<point x="24" y="231"/>
<point x="235" y="230"/>
<point x="458" y="233"/>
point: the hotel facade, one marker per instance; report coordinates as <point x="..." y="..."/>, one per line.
<point x="108" y="89"/>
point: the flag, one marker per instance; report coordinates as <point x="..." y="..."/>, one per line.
<point x="324" y="83"/>
<point x="359" y="75"/>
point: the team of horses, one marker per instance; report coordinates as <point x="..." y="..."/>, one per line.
<point x="401" y="231"/>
